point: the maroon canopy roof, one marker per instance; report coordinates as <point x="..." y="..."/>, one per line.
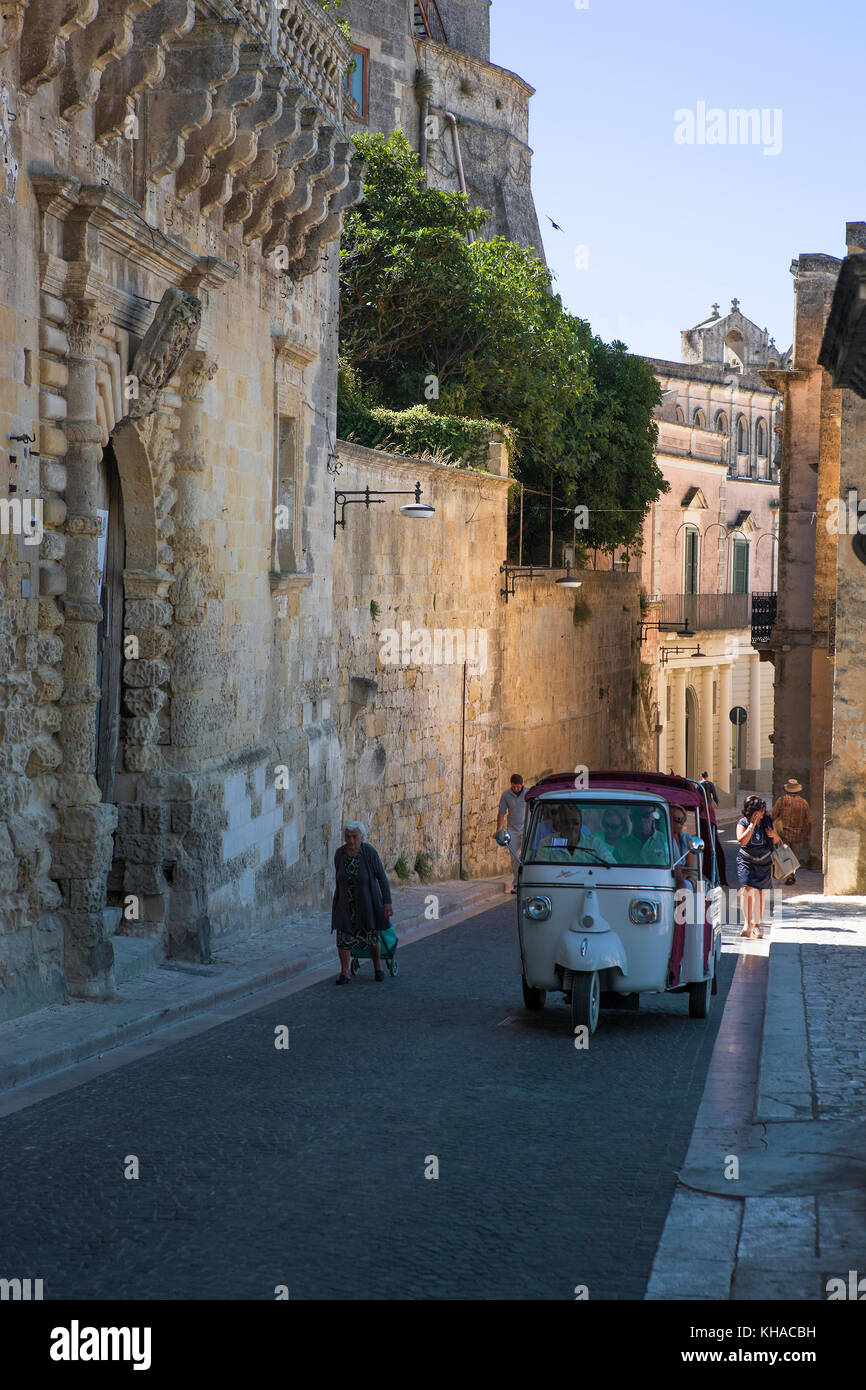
<point x="679" y="791"/>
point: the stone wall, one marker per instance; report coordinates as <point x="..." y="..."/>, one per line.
<point x="541" y="692"/>
<point x="801" y="643"/>
<point x="174" y="183"/>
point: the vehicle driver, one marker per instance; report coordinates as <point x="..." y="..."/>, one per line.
<point x="564" y="845"/>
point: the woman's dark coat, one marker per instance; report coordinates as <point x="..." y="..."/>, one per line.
<point x="372" y="891"/>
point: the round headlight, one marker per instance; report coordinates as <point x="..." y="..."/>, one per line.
<point x="642" y="912"/>
<point x="538" y="909"/>
<point x="587" y="922"/>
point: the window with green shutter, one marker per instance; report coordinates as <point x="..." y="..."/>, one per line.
<point x="741" y="568"/>
<point x="690" y="577"/>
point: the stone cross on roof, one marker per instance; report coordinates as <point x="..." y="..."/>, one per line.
<point x="735" y="305"/>
<point x="715" y="311"/>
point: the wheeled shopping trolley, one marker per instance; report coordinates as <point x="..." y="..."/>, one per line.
<point x="387" y="951"/>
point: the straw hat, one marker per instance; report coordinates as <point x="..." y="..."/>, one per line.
<point x="792" y="785"/>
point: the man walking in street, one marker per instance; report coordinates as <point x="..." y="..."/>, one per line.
<point x="792" y="818"/>
<point x="710" y="786"/>
<point x="512" y="815"/>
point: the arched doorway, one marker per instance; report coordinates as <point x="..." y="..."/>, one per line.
<point x="109" y="633"/>
<point x="691" y="732"/>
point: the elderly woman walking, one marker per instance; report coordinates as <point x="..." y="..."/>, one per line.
<point x="362" y="899"/>
<point x="756" y="836"/>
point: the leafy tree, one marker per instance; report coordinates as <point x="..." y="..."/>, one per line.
<point x="419" y="300"/>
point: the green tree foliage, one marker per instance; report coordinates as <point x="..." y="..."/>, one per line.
<point x="415" y="430"/>
<point x="418" y="298"/>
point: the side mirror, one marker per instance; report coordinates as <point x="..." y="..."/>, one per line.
<point x="696" y="843"/>
<point x="503" y="837"/>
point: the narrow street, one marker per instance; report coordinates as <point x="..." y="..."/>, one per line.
<point x="305" y="1167"/>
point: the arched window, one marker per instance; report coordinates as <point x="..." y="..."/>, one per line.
<point x="681" y="419"/>
<point x="721" y="423"/>
<point x="691" y="557"/>
<point x="742" y="436"/>
<point x="761" y="439"/>
<point x="699" y="421"/>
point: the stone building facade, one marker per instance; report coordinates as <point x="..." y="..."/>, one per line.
<point x="800" y="642"/>
<point x="815" y="641"/>
<point x="426" y="71"/>
<point x="709" y="542"/>
<point x="708" y="546"/>
<point x="175" y="177"/>
<point x="843" y="354"/>
<point x="446" y="685"/>
<point x="718" y="385"/>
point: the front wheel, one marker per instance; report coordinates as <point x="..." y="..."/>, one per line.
<point x="585" y="1000"/>
<point x="700" y="995"/>
<point x="533" y="998"/>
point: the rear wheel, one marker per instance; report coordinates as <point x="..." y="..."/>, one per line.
<point x="700" y="994"/>
<point x="585" y="1000"/>
<point x="533" y="998"/>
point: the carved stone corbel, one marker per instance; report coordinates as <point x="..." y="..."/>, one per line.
<point x="11" y="23"/>
<point x="221" y="130"/>
<point x="301" y="198"/>
<point x="43" y="44"/>
<point x="252" y="120"/>
<point x="293" y="154"/>
<point x="89" y="52"/>
<point x="332" y="226"/>
<point x="322" y="191"/>
<point x="142" y="67"/>
<point x="174" y="327"/>
<point x="264" y="167"/>
<point x="195" y="69"/>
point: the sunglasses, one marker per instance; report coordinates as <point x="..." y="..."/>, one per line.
<point x="678" y="820"/>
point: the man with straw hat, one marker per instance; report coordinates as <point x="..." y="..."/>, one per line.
<point x="793" y="820"/>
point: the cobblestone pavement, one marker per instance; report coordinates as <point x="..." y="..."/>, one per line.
<point x="305" y="1166"/>
<point x="785" y="1097"/>
<point x="152" y="994"/>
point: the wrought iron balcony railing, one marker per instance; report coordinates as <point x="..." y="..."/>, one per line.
<point x="428" y="21"/>
<point x="704" y="612"/>
<point x="763" y="618"/>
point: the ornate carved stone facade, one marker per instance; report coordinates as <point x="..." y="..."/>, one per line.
<point x="175" y="174"/>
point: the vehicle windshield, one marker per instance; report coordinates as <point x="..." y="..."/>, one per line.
<point x="598" y="832"/>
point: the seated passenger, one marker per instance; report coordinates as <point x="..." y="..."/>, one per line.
<point x="689" y="865"/>
<point x="647" y="843"/>
<point x="614" y="826"/>
<point x="569" y="838"/>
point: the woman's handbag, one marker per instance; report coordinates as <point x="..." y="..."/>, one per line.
<point x="785" y="861"/>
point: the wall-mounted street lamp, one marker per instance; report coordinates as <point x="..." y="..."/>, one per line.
<point x="678" y="629"/>
<point x="368" y="498"/>
<point x="514" y="572"/>
<point x="665" y="653"/>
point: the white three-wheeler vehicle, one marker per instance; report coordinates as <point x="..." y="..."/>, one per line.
<point x="619" y="892"/>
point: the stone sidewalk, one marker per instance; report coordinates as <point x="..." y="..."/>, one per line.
<point x="771" y="1201"/>
<point x="154" y="995"/>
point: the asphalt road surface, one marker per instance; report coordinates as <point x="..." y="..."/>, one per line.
<point x="304" y="1166"/>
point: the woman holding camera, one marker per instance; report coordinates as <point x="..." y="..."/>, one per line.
<point x="756" y="836"/>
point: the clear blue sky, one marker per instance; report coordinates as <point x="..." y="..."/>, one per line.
<point x="669" y="228"/>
